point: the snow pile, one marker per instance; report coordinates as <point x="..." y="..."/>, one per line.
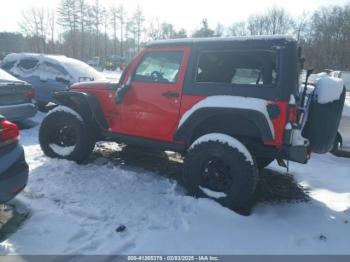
<point x="76" y="70"/>
<point x="235" y="102"/>
<point x="66" y="110"/>
<point x="225" y="139"/>
<point x="309" y="89"/>
<point x="315" y="77"/>
<point x="212" y="194"/>
<point x="62" y="150"/>
<point x="328" y="89"/>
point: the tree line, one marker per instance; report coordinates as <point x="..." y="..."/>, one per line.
<point x="84" y="29"/>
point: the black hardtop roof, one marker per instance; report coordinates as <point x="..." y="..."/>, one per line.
<point x="265" y="40"/>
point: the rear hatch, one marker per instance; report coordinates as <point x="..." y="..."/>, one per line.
<point x="12" y="90"/>
<point x="14" y="94"/>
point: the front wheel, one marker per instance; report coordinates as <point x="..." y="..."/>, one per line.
<point x="219" y="167"/>
<point x="64" y="134"/>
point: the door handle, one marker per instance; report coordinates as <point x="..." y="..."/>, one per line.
<point x="170" y="94"/>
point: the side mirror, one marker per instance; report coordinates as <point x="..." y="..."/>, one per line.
<point x="122" y="91"/>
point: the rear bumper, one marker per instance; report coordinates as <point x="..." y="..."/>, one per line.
<point x="13" y="172"/>
<point x="18" y="112"/>
<point x="299" y="154"/>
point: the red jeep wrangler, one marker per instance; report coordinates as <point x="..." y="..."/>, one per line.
<point x="229" y="105"/>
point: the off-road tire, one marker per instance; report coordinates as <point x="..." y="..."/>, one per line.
<point x="85" y="138"/>
<point x="245" y="174"/>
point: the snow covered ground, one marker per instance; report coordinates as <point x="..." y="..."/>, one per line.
<point x="76" y="209"/>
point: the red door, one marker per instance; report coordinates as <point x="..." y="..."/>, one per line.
<point x="151" y="107"/>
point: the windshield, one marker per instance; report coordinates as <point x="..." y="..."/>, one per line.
<point x="81" y="71"/>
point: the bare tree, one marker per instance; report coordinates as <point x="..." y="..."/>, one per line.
<point x="219" y="30"/>
<point x="96" y="18"/>
<point x="274" y="21"/>
<point x="204" y="31"/>
<point x="327" y="44"/>
<point x="34" y="25"/>
<point x="138" y="21"/>
<point x="300" y="26"/>
<point x="154" y="31"/>
<point x="83" y="20"/>
<point x="238" y="29"/>
<point x="105" y="23"/>
<point x="114" y="24"/>
<point x="52" y="26"/>
<point x="121" y="15"/>
<point x="167" y="31"/>
<point x="157" y="30"/>
<point x="68" y="19"/>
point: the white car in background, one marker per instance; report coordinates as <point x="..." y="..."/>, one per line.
<point x="49" y="73"/>
<point x="342" y="144"/>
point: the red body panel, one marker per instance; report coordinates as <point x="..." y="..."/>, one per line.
<point x="279" y="124"/>
<point x="146" y="113"/>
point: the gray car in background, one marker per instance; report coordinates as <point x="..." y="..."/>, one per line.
<point x="342" y="144"/>
<point x="16" y="98"/>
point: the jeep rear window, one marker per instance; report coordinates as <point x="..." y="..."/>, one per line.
<point x="238" y="68"/>
<point x="159" y="67"/>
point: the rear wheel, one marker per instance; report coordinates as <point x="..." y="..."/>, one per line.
<point x="65" y="135"/>
<point x="223" y="171"/>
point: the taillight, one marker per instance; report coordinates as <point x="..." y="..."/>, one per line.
<point x="8" y="132"/>
<point x="30" y="93"/>
<point x="292" y="114"/>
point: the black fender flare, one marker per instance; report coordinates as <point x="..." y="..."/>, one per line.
<point x="85" y="104"/>
<point x="256" y="119"/>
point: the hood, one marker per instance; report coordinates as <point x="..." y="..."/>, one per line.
<point x="93" y="85"/>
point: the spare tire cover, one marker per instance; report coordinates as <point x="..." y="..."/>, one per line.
<point x="323" y="122"/>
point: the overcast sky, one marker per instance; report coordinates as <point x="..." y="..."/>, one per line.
<point x="183" y="13"/>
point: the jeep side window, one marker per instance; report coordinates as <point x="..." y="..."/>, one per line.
<point x="238" y="68"/>
<point x="159" y="67"/>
